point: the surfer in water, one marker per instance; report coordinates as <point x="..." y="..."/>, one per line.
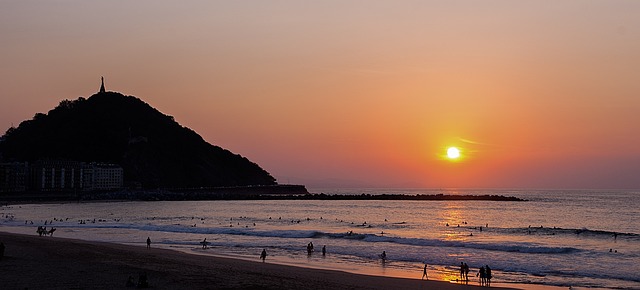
<point x="383" y="256"/>
<point x="309" y="248"/>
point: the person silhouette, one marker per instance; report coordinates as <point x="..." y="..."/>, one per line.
<point x="482" y="275"/>
<point x="204" y="243"/>
<point x="424" y="272"/>
<point x="263" y="255"/>
<point x="466" y="272"/>
<point x="309" y="248"/>
<point x="324" y="250"/>
<point x="148" y="243"/>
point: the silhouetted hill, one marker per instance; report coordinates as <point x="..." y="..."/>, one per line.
<point x="153" y="149"/>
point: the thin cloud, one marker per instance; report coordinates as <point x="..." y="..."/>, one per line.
<point x="474" y="142"/>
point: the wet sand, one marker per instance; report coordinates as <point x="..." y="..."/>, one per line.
<point x="33" y="262"/>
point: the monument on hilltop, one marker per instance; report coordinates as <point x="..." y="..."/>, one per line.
<point x="102" y="85"/>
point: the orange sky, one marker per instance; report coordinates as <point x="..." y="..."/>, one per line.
<point x="536" y="94"/>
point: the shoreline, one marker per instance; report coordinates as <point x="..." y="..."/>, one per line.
<point x="60" y="263"/>
<point x="413" y="274"/>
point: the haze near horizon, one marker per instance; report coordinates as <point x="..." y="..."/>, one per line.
<point x="357" y="93"/>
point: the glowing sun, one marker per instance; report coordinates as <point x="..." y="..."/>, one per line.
<point x="453" y="153"/>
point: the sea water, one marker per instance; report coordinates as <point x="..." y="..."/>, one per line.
<point x="580" y="238"/>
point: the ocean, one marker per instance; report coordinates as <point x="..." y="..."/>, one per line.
<point x="579" y="238"/>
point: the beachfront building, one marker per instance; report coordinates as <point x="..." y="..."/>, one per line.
<point x="59" y="175"/>
<point x="13" y="176"/>
<point x="56" y="175"/>
<point x="67" y="176"/>
<point x="106" y="176"/>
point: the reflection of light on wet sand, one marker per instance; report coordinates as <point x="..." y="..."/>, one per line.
<point x="452" y="276"/>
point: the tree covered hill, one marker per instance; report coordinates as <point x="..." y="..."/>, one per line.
<point x="152" y="148"/>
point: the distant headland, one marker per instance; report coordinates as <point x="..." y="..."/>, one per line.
<point x="111" y="141"/>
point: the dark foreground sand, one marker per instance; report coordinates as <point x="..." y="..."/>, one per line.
<point x="33" y="262"/>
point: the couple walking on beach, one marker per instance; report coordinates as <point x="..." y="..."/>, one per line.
<point x="464" y="271"/>
<point x="485" y="275"/>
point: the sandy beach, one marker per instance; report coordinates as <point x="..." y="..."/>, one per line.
<point x="33" y="262"/>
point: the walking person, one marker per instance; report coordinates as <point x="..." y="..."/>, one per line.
<point x="424" y="272"/>
<point x="148" y="243"/>
<point x="466" y="272"/>
<point x="482" y="275"/>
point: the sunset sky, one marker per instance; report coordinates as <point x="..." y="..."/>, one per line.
<point x="535" y="94"/>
